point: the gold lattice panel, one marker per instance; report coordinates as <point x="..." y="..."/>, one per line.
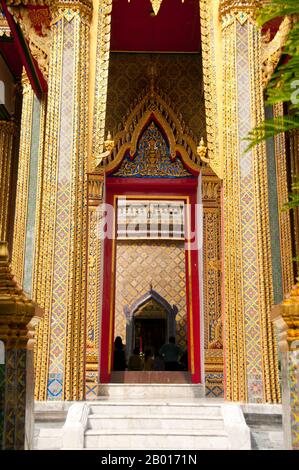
<point x="162" y="263"/>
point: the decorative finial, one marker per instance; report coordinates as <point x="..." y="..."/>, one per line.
<point x="109" y="143"/>
<point x="156" y="5"/>
<point x="151" y="286"/>
<point x="202" y="151"/>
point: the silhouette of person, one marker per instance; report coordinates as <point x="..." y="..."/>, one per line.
<point x="119" y="358"/>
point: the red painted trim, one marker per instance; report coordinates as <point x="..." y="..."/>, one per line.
<point x="196" y="376"/>
<point x="157" y="187"/>
<point x="38" y="82"/>
<point x="108" y="300"/>
<point x="140" y="186"/>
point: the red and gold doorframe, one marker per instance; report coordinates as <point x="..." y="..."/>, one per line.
<point x="184" y="189"/>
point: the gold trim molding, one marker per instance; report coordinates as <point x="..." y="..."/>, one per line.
<point x="286" y="317"/>
<point x="18" y="314"/>
<point x="151" y="103"/>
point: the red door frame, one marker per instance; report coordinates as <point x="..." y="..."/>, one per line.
<point x="186" y="189"/>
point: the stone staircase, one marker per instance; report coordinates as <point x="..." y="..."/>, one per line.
<point x="155" y="425"/>
<point x="128" y="423"/>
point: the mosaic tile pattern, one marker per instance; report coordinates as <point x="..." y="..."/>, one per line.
<point x="15" y="396"/>
<point x="249" y="241"/>
<point x="179" y="76"/>
<point x="274" y="218"/>
<point x="161" y="263"/>
<point x="214" y="385"/>
<point x="293" y="369"/>
<point x="32" y="188"/>
<point x="60" y="277"/>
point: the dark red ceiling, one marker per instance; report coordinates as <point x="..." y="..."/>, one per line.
<point x="176" y="28"/>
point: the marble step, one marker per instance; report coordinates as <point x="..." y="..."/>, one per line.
<point x="156" y="440"/>
<point x="166" y="409"/>
<point x="133" y="391"/>
<point x="48" y="439"/>
<point x="154" y="422"/>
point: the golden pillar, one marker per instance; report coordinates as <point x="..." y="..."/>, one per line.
<point x="60" y="286"/>
<point x="286" y="318"/>
<point x="250" y="350"/>
<point x="25" y="240"/>
<point x="284" y="221"/>
<point x="7" y="132"/>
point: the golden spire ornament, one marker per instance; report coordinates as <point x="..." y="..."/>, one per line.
<point x="156" y="5"/>
<point x="109" y="143"/>
<point x="202" y="151"/>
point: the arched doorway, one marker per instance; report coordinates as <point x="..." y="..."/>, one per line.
<point x="150" y="321"/>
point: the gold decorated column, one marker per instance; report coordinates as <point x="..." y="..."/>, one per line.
<point x="7" y="131"/>
<point x="60" y="286"/>
<point x="26" y="234"/>
<point x="250" y="350"/>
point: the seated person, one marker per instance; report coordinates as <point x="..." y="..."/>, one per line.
<point x="135" y="361"/>
<point x="148" y="360"/>
<point x="171" y="353"/>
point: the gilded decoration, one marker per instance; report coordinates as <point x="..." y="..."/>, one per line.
<point x="286" y="318"/>
<point x="94" y="283"/>
<point x="152" y="107"/>
<point x="35" y="25"/>
<point x="252" y="366"/>
<point x="18" y="319"/>
<point x="61" y="281"/>
<point x="283" y="197"/>
<point x="18" y="253"/>
<point x="101" y="81"/>
<point x="16" y="310"/>
<point x="213" y="338"/>
<point x="177" y="78"/>
<point x="152" y="158"/>
<point x="7" y="133"/>
<point x="212" y="79"/>
<point x="288" y="312"/>
<point x="4" y="27"/>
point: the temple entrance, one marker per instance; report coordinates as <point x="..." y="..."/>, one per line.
<point x="152" y="187"/>
<point x="150" y="334"/>
<point x="150" y="321"/>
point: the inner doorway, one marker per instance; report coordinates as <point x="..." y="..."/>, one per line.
<point x="150" y="321"/>
<point x="150" y="334"/>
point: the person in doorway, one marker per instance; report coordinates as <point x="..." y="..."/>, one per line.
<point x="135" y="361"/>
<point x="119" y="357"/>
<point x="171" y="354"/>
<point x="148" y="360"/>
